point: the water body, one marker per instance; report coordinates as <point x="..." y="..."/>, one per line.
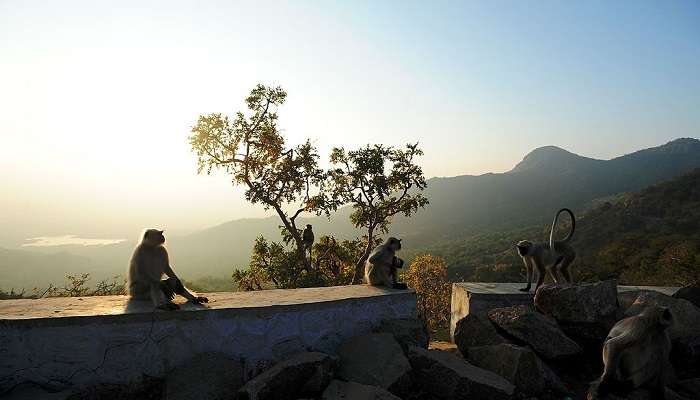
<point x="68" y="240"/>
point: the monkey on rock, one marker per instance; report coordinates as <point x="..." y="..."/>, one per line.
<point x="146" y="269"/>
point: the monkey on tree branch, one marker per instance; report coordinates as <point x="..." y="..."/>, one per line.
<point x="252" y="150"/>
<point x="380" y="182"/>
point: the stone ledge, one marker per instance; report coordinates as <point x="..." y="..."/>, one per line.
<point x="60" y="311"/>
<point x="480" y="297"/>
<point x="66" y="342"/>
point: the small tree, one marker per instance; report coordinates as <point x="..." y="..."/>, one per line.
<point x="379" y="182"/>
<point x="427" y="275"/>
<point x="272" y="265"/>
<point x="253" y="151"/>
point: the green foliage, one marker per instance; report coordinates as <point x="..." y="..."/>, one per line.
<point x="379" y="182"/>
<point x="274" y="265"/>
<point x="253" y="151"/>
<point x="645" y="238"/>
<point x="427" y="275"/>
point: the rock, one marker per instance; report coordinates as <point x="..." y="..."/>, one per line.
<point x="685" y="314"/>
<point x="519" y="365"/>
<point x="685" y="353"/>
<point x="689" y="293"/>
<point x="339" y="390"/>
<point x="375" y="359"/>
<point x="476" y="330"/>
<point x="305" y="374"/>
<point x="537" y="330"/>
<point x="207" y="376"/>
<point x="444" y="346"/>
<point x="447" y="376"/>
<point x="32" y="392"/>
<point x="587" y="310"/>
<point x="689" y="388"/>
<point x="407" y="331"/>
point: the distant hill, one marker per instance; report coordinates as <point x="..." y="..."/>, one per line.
<point x="462" y="209"/>
<point x="650" y="237"/>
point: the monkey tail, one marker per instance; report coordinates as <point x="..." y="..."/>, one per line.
<point x="554" y="225"/>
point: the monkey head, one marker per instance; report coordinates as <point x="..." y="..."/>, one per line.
<point x="153" y="237"/>
<point x="393" y="243"/>
<point x="308" y="226"/>
<point x="659" y="315"/>
<point x="524" y="247"/>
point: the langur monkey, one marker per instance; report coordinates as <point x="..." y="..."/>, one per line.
<point x="555" y="254"/>
<point x="635" y="353"/>
<point x="308" y="238"/>
<point x="146" y="269"/>
<point x="382" y="264"/>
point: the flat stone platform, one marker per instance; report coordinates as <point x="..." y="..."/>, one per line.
<point x="480" y="297"/>
<point x="74" y="341"/>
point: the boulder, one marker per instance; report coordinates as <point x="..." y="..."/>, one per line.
<point x="304" y="374"/>
<point x="537" y="330"/>
<point x="476" y="330"/>
<point x="519" y="365"/>
<point x="685" y="314"/>
<point x="447" y="376"/>
<point x="689" y="388"/>
<point x="207" y="376"/>
<point x="587" y="310"/>
<point x="689" y="293"/>
<point x="407" y="331"/>
<point x="375" y="359"/>
<point x="339" y="390"/>
<point x="685" y="353"/>
<point x="32" y="392"/>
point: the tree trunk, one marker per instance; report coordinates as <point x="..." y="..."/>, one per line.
<point x="291" y="227"/>
<point x="360" y="265"/>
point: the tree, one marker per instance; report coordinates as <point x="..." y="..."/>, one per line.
<point x="272" y="265"/>
<point x="427" y="275"/>
<point x="253" y="151"/>
<point x="379" y="182"/>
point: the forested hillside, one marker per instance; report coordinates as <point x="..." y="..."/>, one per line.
<point x="649" y="237"/>
<point x="473" y="221"/>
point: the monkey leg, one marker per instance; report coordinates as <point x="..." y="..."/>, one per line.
<point x="160" y="300"/>
<point x="564" y="268"/>
<point x="172" y="286"/>
<point x="529" y="272"/>
<point x="540" y="276"/>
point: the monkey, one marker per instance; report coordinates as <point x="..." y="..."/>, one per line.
<point x="146" y="269"/>
<point x="635" y="353"/>
<point x="557" y="254"/>
<point x="308" y="238"/>
<point x="382" y="264"/>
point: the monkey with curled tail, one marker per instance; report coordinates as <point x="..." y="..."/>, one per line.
<point x="381" y="268"/>
<point x="554" y="257"/>
<point x="146" y="269"/>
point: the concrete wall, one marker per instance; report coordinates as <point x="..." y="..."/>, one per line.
<point x="480" y="297"/>
<point x="80" y="341"/>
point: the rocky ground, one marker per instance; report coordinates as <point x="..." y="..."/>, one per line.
<point x="549" y="350"/>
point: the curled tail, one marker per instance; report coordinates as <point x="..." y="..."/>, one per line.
<point x="554" y="225"/>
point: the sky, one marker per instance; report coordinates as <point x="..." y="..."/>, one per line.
<point x="97" y="98"/>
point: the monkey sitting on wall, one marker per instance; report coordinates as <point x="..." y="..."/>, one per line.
<point x="381" y="268"/>
<point x="146" y="269"/>
<point x="635" y="353"/>
<point x="555" y="254"/>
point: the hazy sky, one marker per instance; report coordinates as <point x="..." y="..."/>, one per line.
<point x="97" y="97"/>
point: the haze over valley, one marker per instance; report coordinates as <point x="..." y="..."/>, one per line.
<point x="461" y="208"/>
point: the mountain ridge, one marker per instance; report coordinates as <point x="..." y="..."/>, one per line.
<point x="459" y="206"/>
